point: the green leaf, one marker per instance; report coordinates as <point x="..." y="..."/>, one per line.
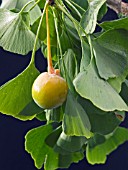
<point x="107" y="48"/>
<point x="54" y="115"/>
<point x="41" y="4"/>
<point x="116" y="83"/>
<point x="31" y="109"/>
<point x="16" y="94"/>
<point x="102" y="12"/>
<point x="66" y="160"/>
<point x="86" y="55"/>
<point x="116" y="24"/>
<point x="70" y="62"/>
<point x="43" y="30"/>
<point x="76" y="122"/>
<point x="43" y="154"/>
<point x="82" y="4"/>
<point x="15" y="35"/>
<point x="89" y="18"/>
<point x="71" y="143"/>
<point x="65" y="144"/>
<point x="101" y="122"/>
<point x="36" y="146"/>
<point x="34" y="14"/>
<point x="60" y="144"/>
<point x="8" y="4"/>
<point x="65" y="38"/>
<point x="72" y="35"/>
<point x="41" y="116"/>
<point x="53" y="137"/>
<point x="98" y="153"/>
<point x="124" y="91"/>
<point x="69" y="68"/>
<point x="90" y="86"/>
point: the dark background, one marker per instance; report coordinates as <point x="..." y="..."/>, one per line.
<point x="12" y="131"/>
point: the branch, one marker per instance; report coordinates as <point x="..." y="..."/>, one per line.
<point x="118" y="6"/>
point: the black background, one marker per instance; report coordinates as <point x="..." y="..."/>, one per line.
<point x="12" y="131"/>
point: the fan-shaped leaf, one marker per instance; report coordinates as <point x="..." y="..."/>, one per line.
<point x="90" y="86"/>
<point x="43" y="154"/>
<point x="15" y="35"/>
<point x="98" y="152"/>
<point x="71" y="143"/>
<point x="31" y="109"/>
<point x="115" y="24"/>
<point x="111" y="53"/>
<point x="89" y="18"/>
<point x="101" y="122"/>
<point x="16" y="94"/>
<point x="76" y="122"/>
<point x="34" y="14"/>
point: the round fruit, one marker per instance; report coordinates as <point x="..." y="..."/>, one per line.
<point x="49" y="90"/>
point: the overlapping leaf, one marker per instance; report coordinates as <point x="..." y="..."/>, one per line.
<point x="43" y="154"/>
<point x="90" y="86"/>
<point x="124" y="91"/>
<point x="71" y="143"/>
<point x="116" y="83"/>
<point x="97" y="152"/>
<point x="86" y="55"/>
<point x="101" y="122"/>
<point x="116" y="24"/>
<point x="89" y="18"/>
<point x="31" y="109"/>
<point x="70" y="62"/>
<point x="54" y="115"/>
<point x="111" y="53"/>
<point x="34" y="14"/>
<point x="16" y="94"/>
<point x="15" y="35"/>
<point x="43" y="30"/>
<point x="76" y="122"/>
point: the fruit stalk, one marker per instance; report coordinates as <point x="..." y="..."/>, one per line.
<point x="49" y="58"/>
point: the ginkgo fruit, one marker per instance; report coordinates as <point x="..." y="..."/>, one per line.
<point x="49" y="90"/>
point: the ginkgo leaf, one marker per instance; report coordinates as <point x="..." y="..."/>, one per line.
<point x="63" y="143"/>
<point x="54" y="115"/>
<point x="71" y="143"/>
<point x="43" y="154"/>
<point x="16" y="94"/>
<point x="76" y="122"/>
<point x="8" y="4"/>
<point x="15" y="35"/>
<point x="101" y="122"/>
<point x="115" y="24"/>
<point x="90" y="86"/>
<point x="43" y="30"/>
<point x="86" y="55"/>
<point x="34" y="14"/>
<point x="97" y="152"/>
<point x="111" y="53"/>
<point x="31" y="109"/>
<point x="116" y="82"/>
<point x="89" y="18"/>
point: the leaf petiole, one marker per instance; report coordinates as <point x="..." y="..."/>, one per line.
<point x="58" y="40"/>
<point x="34" y="5"/>
<point x="22" y="10"/>
<point x="74" y="8"/>
<point x="64" y="9"/>
<point x="37" y="34"/>
<point x="75" y="4"/>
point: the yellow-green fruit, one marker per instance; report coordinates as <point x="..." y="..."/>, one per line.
<point x="49" y="90"/>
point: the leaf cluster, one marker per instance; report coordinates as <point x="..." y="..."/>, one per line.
<point x="95" y="66"/>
